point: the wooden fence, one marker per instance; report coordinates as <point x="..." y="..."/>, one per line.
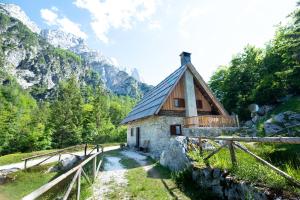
<point x="231" y="142"/>
<point x="58" y="152"/>
<point x="211" y="121"/>
<point x="78" y="171"/>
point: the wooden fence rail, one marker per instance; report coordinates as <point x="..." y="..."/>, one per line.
<point x="231" y="143"/>
<point x="78" y="170"/>
<point x="58" y="152"/>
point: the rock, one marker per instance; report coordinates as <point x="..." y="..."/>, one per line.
<point x="263" y="110"/>
<point x="272" y="128"/>
<point x="279" y="118"/>
<point x="216" y="173"/>
<point x="4" y="174"/>
<point x="174" y="157"/>
<point x="66" y="163"/>
<point x="282" y="121"/>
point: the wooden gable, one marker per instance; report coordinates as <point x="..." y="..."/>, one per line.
<point x="178" y="93"/>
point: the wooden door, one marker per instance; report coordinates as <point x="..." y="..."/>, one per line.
<point x="137" y="137"/>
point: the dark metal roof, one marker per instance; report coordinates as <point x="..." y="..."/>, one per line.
<point x="155" y="98"/>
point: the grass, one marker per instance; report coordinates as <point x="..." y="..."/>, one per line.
<point x="24" y="182"/>
<point x="285" y="157"/>
<point x="17" y="157"/>
<point x="155" y="183"/>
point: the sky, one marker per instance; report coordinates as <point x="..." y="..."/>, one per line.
<point x="150" y="34"/>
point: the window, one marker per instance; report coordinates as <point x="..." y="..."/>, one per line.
<point x="199" y="104"/>
<point x="175" y="129"/>
<point x="179" y="103"/>
<point x="131" y="131"/>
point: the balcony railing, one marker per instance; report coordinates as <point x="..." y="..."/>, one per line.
<point x="211" y="121"/>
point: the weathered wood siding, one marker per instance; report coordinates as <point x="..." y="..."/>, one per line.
<point x="206" y="105"/>
<point x="178" y="92"/>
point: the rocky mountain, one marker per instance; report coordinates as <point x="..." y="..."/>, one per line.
<point x="41" y="59"/>
<point x="16" y="12"/>
<point x="112" y="76"/>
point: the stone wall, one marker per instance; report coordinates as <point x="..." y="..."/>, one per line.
<point x="156" y="129"/>
<point x="226" y="187"/>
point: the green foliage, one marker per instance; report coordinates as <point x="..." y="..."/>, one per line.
<point x="261" y="76"/>
<point x="66" y="55"/>
<point x="76" y="115"/>
<point x="249" y="169"/>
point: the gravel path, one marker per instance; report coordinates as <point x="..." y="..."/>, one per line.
<point x="112" y="177"/>
<point x="20" y="165"/>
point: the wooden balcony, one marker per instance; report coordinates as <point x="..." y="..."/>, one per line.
<point x="210" y="121"/>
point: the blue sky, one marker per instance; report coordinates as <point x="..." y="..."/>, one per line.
<point x="150" y="34"/>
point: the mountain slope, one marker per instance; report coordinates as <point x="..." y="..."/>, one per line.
<point x="37" y="64"/>
<point x="114" y="79"/>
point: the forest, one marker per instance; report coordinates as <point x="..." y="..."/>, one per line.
<point x="75" y="114"/>
<point x="262" y="75"/>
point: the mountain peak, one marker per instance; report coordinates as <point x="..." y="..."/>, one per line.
<point x="15" y="11"/>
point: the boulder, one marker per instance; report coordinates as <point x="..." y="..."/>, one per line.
<point x="271" y="128"/>
<point x="263" y="110"/>
<point x="4" y="174"/>
<point x="174" y="156"/>
<point x="65" y="164"/>
<point x="282" y="121"/>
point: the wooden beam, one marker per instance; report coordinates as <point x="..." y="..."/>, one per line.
<point x="215" y="151"/>
<point x="278" y="171"/>
<point x="86" y="176"/>
<point x="232" y="153"/>
<point x="71" y="185"/>
<point x="78" y="185"/>
<point x="283" y="140"/>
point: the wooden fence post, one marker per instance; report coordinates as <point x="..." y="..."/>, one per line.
<point x="25" y="163"/>
<point x="232" y="153"/>
<point x="94" y="168"/>
<point x="237" y="121"/>
<point x="78" y="185"/>
<point x="85" y="149"/>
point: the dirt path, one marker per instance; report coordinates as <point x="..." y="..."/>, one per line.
<point x="20" y="165"/>
<point x="130" y="175"/>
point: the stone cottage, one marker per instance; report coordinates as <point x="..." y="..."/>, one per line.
<point x="179" y="104"/>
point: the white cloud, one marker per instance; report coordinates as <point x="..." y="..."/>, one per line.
<point x="116" y="14"/>
<point x="63" y="23"/>
<point x="154" y="25"/>
<point x="49" y="16"/>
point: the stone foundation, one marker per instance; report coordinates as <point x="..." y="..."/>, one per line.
<point x="224" y="186"/>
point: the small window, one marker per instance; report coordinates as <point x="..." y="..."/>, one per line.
<point x="131" y="131"/>
<point x="175" y="129"/>
<point x="199" y="104"/>
<point x="179" y="103"/>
